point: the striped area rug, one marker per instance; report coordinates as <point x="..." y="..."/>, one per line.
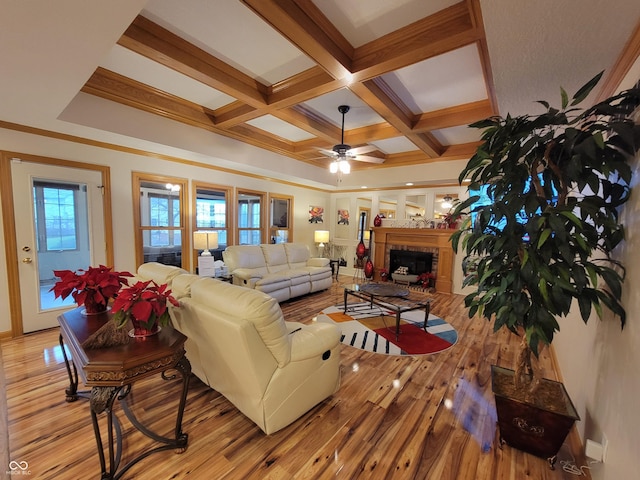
<point x="374" y="330"/>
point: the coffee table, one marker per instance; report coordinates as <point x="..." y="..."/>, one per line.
<point x="393" y="297"/>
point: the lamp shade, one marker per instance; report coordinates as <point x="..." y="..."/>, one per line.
<point x="205" y="241"/>
<point x="321" y="236"/>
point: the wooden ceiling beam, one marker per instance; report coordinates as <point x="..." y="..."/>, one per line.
<point x="118" y="88"/>
<point x="160" y="45"/>
<point x="112" y="86"/>
<point x="453" y="116"/>
<point x="338" y="64"/>
<point x="434" y="35"/>
<point x="311" y="122"/>
<point x="377" y="94"/>
<point x="306" y="27"/>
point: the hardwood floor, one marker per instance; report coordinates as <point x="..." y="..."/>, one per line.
<point x="391" y="417"/>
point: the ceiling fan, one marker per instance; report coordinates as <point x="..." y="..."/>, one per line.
<point x="342" y="153"/>
<point x="446" y="201"/>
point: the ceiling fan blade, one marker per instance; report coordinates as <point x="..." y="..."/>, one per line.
<point x="328" y="153"/>
<point x="361" y="150"/>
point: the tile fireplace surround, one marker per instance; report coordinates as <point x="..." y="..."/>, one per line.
<point x="423" y="239"/>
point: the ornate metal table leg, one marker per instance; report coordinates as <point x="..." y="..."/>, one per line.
<point x="72" y="391"/>
<point x="184" y="367"/>
<point x="102" y="399"/>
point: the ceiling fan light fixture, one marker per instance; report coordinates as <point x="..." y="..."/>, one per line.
<point x="447" y="202"/>
<point x="345" y="167"/>
<point x="333" y="166"/>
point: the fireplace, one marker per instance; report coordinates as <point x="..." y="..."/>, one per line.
<point x="425" y="240"/>
<point x="416" y="262"/>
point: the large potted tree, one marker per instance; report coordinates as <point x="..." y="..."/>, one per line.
<point x="540" y="238"/>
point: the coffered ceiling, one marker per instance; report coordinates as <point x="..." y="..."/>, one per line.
<point x="272" y="73"/>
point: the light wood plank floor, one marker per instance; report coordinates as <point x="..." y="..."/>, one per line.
<point x="391" y="417"/>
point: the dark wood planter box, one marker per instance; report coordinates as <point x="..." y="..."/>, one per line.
<point x="531" y="428"/>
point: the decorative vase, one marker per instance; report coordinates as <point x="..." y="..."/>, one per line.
<point x="377" y="221"/>
<point x="368" y="269"/>
<point x="140" y="329"/>
<point x="361" y="249"/>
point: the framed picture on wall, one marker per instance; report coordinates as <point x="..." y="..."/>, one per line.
<point x="316" y="214"/>
<point x="343" y="217"/>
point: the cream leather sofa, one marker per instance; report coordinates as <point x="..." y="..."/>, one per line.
<point x="239" y="344"/>
<point x="283" y="270"/>
<point x="157" y="272"/>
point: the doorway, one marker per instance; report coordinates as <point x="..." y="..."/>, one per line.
<point x="58" y="215"/>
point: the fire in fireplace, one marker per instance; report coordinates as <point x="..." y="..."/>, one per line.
<point x="416" y="262"/>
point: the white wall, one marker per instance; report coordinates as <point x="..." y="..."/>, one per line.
<point x="599" y="363"/>
<point x="122" y="165"/>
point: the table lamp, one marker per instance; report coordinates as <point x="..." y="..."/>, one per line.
<point x="321" y="237"/>
<point x="205" y="241"/>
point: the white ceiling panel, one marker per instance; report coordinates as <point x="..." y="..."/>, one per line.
<point x="457" y="135"/>
<point x="361" y="21"/>
<point x="278" y="127"/>
<point x="232" y="33"/>
<point x="447" y="80"/>
<point x="395" y="145"/>
<point x="359" y="115"/>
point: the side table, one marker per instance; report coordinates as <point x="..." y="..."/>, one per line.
<point x="111" y="373"/>
<point x="335" y="268"/>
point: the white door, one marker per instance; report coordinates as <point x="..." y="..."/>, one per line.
<point x="59" y="226"/>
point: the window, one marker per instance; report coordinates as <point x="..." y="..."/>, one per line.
<point x="281" y="229"/>
<point x="159" y="219"/>
<point x="56" y="215"/>
<point x="213" y="210"/>
<point x="498" y="220"/>
<point x="250" y="217"/>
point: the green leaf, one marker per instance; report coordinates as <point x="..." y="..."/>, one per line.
<point x="544" y="236"/>
<point x="585" y="90"/>
<point x="565" y="98"/>
<point x="584" y="302"/>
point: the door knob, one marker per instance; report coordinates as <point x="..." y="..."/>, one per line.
<point x="27" y="260"/>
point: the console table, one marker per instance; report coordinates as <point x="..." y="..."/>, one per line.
<point x="111" y="373"/>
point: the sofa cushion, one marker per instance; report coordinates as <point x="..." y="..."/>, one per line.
<point x="318" y="262"/>
<point x="181" y="285"/>
<point x="245" y="256"/>
<point x="271" y="278"/>
<point x="275" y="257"/>
<point x="297" y="277"/>
<point x="247" y="305"/>
<point x="297" y="254"/>
<point x="318" y="272"/>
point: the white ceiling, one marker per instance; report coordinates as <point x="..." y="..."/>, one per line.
<point x="520" y="52"/>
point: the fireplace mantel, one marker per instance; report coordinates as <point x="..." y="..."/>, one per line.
<point x="417" y="237"/>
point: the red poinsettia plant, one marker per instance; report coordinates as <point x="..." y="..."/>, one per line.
<point x="145" y="303"/>
<point x="93" y="287"/>
<point x="427" y="279"/>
